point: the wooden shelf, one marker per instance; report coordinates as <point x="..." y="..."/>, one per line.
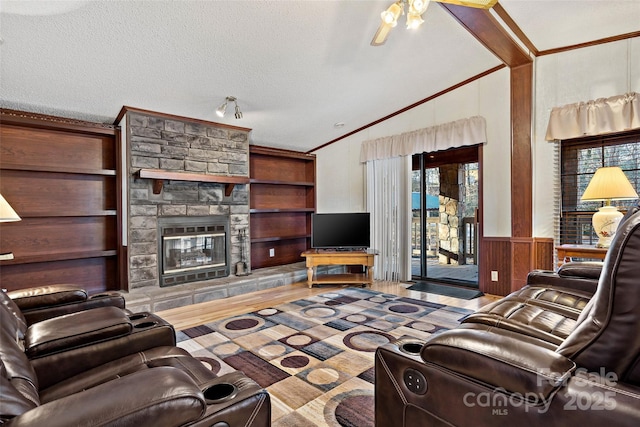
<point x="53" y="169"/>
<point x="159" y="175"/>
<point x="256" y="211"/>
<point x="58" y="257"/>
<point x="278" y="238"/>
<point x="279" y="182"/>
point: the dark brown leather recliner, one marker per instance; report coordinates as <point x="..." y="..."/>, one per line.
<point x="100" y="367"/>
<point x="506" y="366"/>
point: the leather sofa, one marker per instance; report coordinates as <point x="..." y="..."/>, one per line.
<point x="100" y="365"/>
<point x="562" y="351"/>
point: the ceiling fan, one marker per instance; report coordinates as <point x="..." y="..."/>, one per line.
<point x="415" y="9"/>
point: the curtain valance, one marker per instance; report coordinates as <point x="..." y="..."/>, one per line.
<point x="469" y="131"/>
<point x="596" y="117"/>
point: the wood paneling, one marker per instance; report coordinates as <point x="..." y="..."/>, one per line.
<point x="521" y="261"/>
<point x="543" y="253"/>
<point x="495" y="256"/>
<point x="61" y="177"/>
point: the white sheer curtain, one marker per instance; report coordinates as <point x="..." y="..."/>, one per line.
<point x="595" y="117"/>
<point x="389" y="203"/>
<point x="389" y="187"/>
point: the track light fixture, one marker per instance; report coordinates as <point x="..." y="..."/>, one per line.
<point x="223" y="108"/>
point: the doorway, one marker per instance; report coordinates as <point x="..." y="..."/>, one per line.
<point x="444" y="229"/>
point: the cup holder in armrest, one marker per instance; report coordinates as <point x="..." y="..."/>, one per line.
<point x="411" y="347"/>
<point x="138" y="316"/>
<point x="144" y="325"/>
<point x="220" y="392"/>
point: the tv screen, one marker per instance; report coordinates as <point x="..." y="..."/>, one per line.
<point x="340" y="230"/>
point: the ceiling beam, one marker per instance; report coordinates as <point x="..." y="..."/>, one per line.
<point x="488" y="31"/>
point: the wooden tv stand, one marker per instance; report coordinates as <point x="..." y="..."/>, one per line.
<point x="316" y="257"/>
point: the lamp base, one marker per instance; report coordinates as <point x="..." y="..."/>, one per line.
<point x="605" y="223"/>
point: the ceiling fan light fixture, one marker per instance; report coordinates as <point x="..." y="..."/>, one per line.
<point x="418" y="6"/>
<point x="391" y="15"/>
<point x="414" y="21"/>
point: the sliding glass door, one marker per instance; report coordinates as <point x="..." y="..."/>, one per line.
<point x="444" y="233"/>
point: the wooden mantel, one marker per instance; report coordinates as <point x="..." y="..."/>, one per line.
<point x="159" y="175"/>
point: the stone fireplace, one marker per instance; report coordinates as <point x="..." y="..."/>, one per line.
<point x="202" y="219"/>
<point x="192" y="249"/>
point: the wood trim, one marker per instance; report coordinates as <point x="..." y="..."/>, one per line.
<point x="44" y="121"/>
<point x="270" y="151"/>
<point x="415" y="104"/>
<point x="589" y="44"/>
<point x="488" y="31"/>
<point x="506" y="18"/>
<point x="126" y="109"/>
<point x="521" y="155"/>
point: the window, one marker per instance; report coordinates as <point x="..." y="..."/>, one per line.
<point x="580" y="158"/>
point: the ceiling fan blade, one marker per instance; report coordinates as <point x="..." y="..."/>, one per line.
<point x="480" y="4"/>
<point x="381" y="35"/>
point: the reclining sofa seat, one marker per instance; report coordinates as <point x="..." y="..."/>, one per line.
<point x="485" y="374"/>
<point x="159" y="386"/>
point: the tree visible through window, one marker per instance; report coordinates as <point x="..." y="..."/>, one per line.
<point x="580" y="158"/>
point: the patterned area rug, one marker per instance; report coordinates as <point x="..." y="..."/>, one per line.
<point x="315" y="356"/>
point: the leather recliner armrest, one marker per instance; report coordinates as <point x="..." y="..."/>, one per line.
<point x="75" y="330"/>
<point x="161" y="396"/>
<point x="498" y="360"/>
<point x="570" y="279"/>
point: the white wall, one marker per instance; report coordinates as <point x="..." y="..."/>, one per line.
<point x="579" y="75"/>
<point x="341" y="178"/>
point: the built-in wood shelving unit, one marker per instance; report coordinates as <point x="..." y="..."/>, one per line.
<point x="282" y="199"/>
<point x="61" y="177"/>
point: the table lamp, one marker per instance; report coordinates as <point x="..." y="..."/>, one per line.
<point x="7" y="214"/>
<point x="608" y="183"/>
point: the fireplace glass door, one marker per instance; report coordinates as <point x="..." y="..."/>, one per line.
<point x="193" y="252"/>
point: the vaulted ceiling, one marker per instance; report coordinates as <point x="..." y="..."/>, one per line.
<point x="296" y="67"/>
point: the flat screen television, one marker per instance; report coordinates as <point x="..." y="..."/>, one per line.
<point x="347" y="231"/>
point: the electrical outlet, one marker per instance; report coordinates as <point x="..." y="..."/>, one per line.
<point x="494" y="276"/>
<point x="272" y="252"/>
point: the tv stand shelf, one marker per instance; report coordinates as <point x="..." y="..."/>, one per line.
<point x="316" y="257"/>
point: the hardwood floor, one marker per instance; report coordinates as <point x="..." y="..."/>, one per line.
<point x="197" y="314"/>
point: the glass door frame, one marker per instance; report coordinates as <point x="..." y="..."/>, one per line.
<point x="425" y="161"/>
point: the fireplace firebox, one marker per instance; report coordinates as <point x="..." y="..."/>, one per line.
<point x="193" y="249"/>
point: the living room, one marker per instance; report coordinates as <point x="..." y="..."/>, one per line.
<point x="519" y="164"/>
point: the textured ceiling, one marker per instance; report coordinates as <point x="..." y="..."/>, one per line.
<point x="296" y="67"/>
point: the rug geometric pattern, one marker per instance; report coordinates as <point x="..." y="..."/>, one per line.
<point x="315" y="356"/>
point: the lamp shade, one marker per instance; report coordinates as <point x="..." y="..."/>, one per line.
<point x="7" y="214"/>
<point x="609" y="183"/>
